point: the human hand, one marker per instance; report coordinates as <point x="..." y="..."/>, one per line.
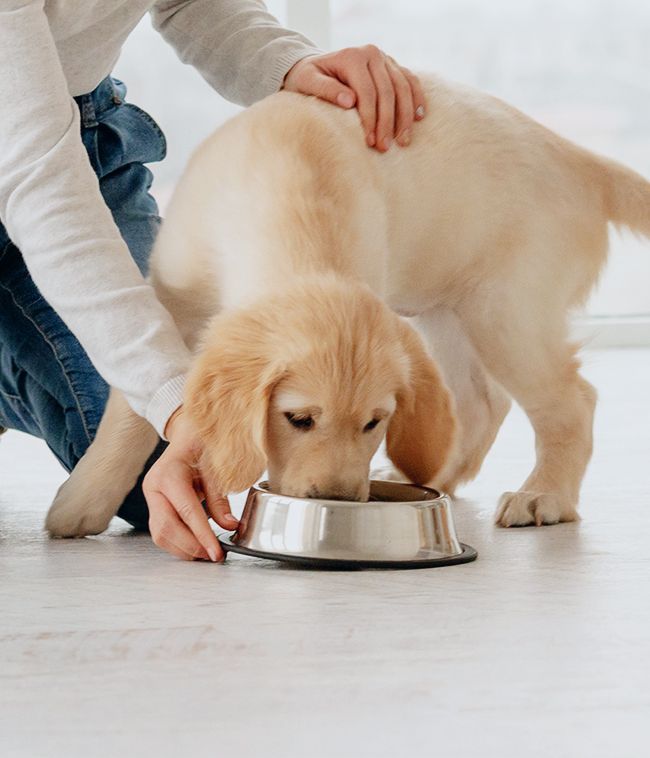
<point x="173" y="488"/>
<point x="388" y="96"/>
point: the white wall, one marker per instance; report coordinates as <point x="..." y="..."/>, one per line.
<point x="313" y="18"/>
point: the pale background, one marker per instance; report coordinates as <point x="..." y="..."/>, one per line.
<point x="581" y="68"/>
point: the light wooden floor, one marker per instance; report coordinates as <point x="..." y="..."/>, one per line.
<point x="108" y="647"/>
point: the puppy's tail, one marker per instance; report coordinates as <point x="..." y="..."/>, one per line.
<point x="626" y="195"/>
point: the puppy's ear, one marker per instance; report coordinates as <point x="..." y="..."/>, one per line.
<point x="227" y="398"/>
<point x="422" y="430"/>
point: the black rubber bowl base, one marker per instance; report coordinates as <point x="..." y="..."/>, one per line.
<point x="469" y="554"/>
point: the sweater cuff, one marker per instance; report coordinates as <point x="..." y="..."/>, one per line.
<point x="166" y="400"/>
<point x="283" y="64"/>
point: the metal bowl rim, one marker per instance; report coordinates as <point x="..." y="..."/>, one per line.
<point x="439" y="498"/>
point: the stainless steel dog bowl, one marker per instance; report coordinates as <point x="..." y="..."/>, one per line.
<point x="401" y="526"/>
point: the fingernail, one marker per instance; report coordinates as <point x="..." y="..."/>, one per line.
<point x="387" y="143"/>
<point x="371" y="139"/>
<point x="231" y="518"/>
<point x="213" y="554"/>
<point x="419" y="111"/>
<point x="345" y="99"/>
<point x="405" y="137"/>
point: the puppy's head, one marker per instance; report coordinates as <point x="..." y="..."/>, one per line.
<point x="307" y="383"/>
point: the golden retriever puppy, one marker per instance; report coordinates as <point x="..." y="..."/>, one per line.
<point x="309" y="385"/>
<point x="311" y="249"/>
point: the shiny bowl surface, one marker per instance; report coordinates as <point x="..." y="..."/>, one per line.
<point x="402" y="525"/>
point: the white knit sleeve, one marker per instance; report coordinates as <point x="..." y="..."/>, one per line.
<point x="52" y="208"/>
<point x="239" y="48"/>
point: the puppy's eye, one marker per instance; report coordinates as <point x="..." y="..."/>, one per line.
<point x="371" y="425"/>
<point x="300" y="422"/>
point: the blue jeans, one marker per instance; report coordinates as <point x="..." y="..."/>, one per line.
<point x="48" y="386"/>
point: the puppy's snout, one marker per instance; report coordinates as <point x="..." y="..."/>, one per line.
<point x="337" y="491"/>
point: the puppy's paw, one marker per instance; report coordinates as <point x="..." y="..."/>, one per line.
<point x="526" y="508"/>
<point x="74" y="514"/>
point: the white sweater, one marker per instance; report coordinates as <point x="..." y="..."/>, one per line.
<point x="50" y="203"/>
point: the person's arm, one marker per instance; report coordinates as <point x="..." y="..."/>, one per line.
<point x="244" y="53"/>
<point x="238" y="47"/>
<point x="52" y="208"/>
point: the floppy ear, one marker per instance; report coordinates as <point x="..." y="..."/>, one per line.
<point x="227" y="398"/>
<point x="422" y="430"/>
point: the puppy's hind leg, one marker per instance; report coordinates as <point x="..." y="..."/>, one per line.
<point x="535" y="363"/>
<point x="104" y="476"/>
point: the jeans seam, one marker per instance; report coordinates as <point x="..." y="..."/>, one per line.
<point x="10" y="396"/>
<point x="23" y="406"/>
<point x="56" y="356"/>
<point x="149" y="119"/>
<point x="3" y="251"/>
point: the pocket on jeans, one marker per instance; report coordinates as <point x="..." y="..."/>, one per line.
<point x="127" y="134"/>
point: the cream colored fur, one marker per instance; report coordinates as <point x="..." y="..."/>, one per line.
<point x="488" y="230"/>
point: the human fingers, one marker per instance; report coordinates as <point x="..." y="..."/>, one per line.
<point x="169" y="532"/>
<point x="385" y="94"/>
<point x="351" y="66"/>
<point x="177" y="487"/>
<point x="419" y="100"/>
<point x="404" y="105"/>
<point x="310" y="78"/>
<point x="219" y="508"/>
